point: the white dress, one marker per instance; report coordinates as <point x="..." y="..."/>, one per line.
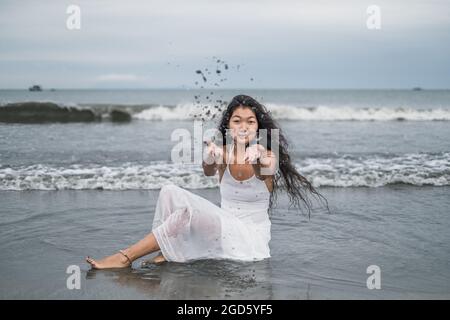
<point x="188" y="227"/>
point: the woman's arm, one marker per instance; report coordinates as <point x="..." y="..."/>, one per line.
<point x="212" y="159"/>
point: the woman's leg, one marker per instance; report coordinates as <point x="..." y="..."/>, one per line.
<point x="164" y="207"/>
<point x="171" y="220"/>
<point x="143" y="247"/>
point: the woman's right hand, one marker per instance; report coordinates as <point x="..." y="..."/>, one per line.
<point x="213" y="153"/>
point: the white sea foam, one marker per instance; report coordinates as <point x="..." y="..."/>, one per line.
<point x="190" y="111"/>
<point x="291" y="112"/>
<point x="341" y="171"/>
<point x="376" y="171"/>
<point x="324" y="113"/>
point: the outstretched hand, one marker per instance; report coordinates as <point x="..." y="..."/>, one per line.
<point x="254" y="153"/>
<point x="213" y="153"/>
<point x="257" y="151"/>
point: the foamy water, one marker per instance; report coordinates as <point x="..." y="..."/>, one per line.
<point x="341" y="138"/>
<point x="291" y="112"/>
<point x="345" y="171"/>
<point x="207" y="111"/>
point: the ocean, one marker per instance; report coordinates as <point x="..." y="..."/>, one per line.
<point x="84" y="181"/>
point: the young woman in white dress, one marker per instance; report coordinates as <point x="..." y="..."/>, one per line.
<point x="187" y="227"/>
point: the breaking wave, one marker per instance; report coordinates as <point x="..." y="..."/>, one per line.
<point x="38" y="112"/>
<point x="419" y="169"/>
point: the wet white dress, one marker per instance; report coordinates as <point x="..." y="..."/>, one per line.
<point x="188" y="227"/>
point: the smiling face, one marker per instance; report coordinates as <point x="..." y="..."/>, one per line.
<point x="243" y="125"/>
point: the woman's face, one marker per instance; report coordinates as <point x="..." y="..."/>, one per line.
<point x="243" y="125"/>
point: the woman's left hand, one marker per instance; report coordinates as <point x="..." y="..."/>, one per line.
<point x="254" y="153"/>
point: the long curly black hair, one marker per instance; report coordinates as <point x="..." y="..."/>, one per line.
<point x="287" y="177"/>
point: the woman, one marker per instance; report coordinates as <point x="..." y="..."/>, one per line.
<point x="188" y="227"/>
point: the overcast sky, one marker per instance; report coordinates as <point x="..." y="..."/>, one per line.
<point x="278" y="44"/>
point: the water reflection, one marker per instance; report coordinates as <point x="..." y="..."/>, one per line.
<point x="202" y="279"/>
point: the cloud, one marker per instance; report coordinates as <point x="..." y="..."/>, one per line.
<point x="282" y="43"/>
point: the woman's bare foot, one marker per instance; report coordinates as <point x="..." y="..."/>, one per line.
<point x="118" y="260"/>
<point x="159" y="259"/>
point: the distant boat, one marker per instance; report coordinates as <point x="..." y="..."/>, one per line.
<point x="417" y="89"/>
<point x="35" y="88"/>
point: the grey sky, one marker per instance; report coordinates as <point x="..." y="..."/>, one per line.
<point x="280" y="44"/>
